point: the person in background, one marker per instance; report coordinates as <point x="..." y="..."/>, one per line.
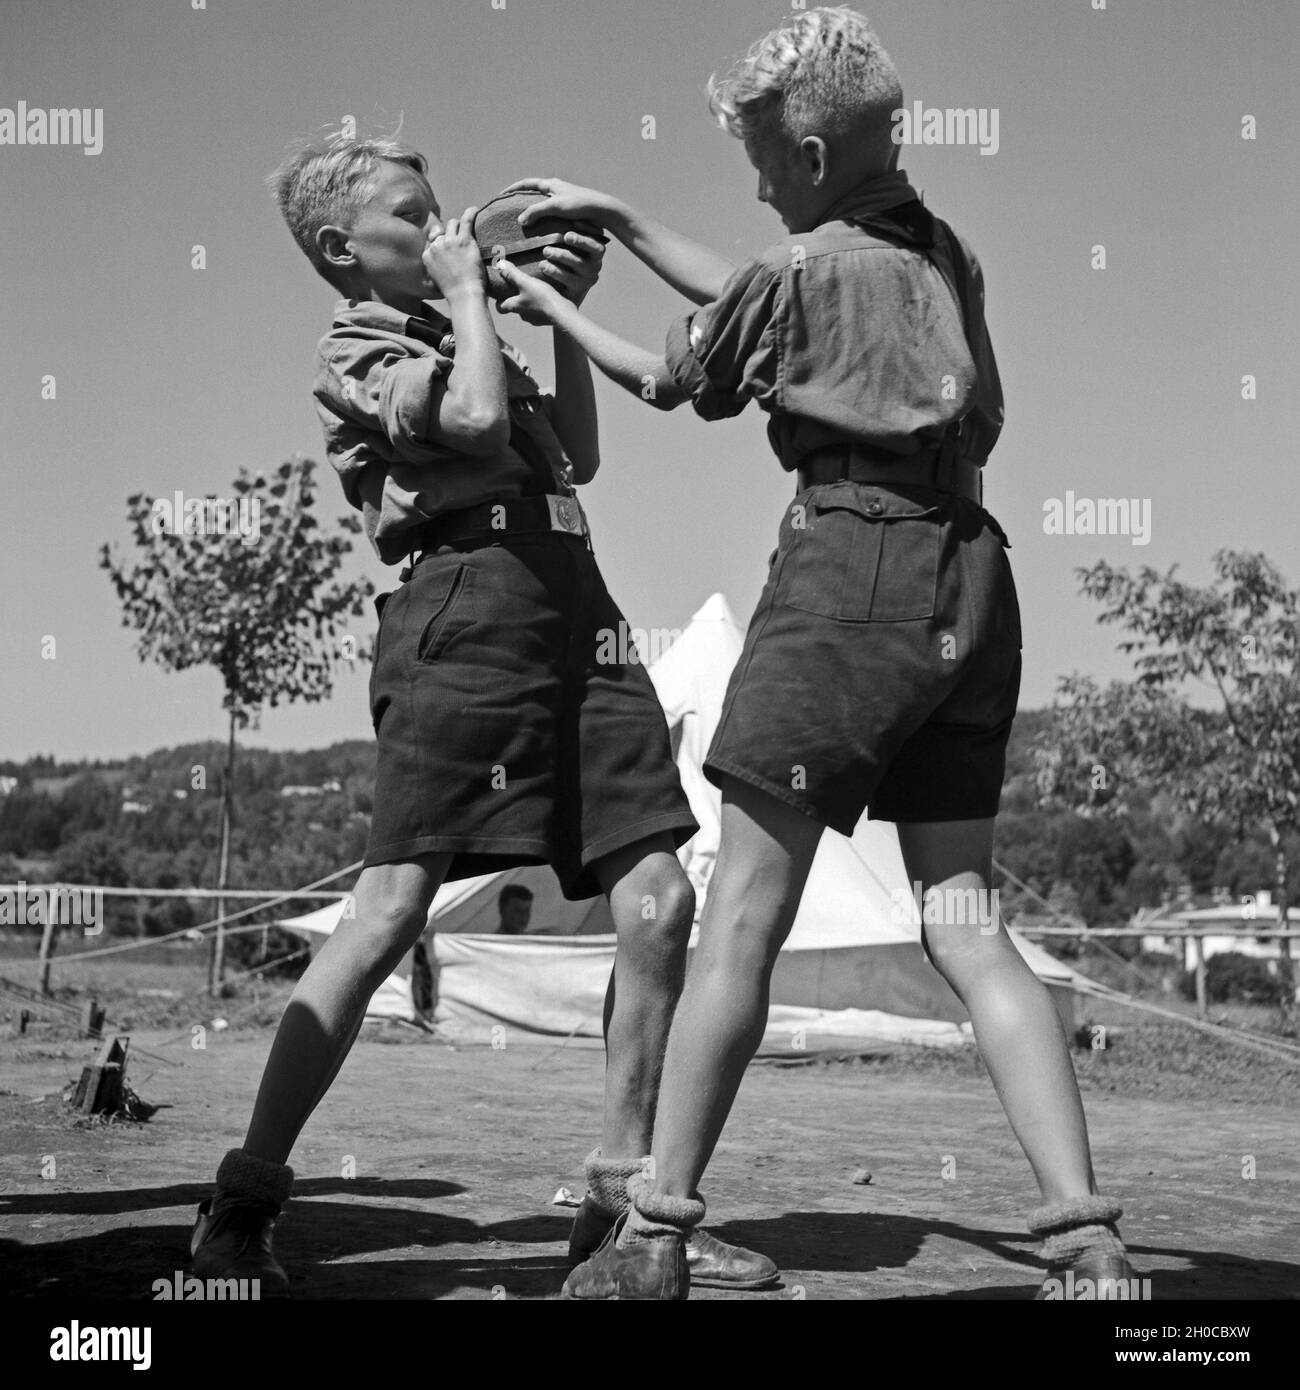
<point x="515" y="904"/>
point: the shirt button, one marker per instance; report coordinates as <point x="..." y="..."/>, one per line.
<point x="875" y="509"/>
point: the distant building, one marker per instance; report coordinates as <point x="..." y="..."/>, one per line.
<point x="7" y="784"/>
<point x="324" y="787"/>
<point x="1238" y="920"/>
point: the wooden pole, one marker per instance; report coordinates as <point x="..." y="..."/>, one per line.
<point x="216" y="958"/>
<point x="49" y="936"/>
<point x="1285" y="968"/>
<point x="1202" y="1003"/>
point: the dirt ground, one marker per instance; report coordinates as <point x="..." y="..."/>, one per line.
<point x="456" y="1155"/>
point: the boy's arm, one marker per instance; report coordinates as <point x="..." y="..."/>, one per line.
<point x="719" y="357"/>
<point x="472" y="414"/>
<point x="574" y="268"/>
<point x="573" y="416"/>
<point x="633" y="368"/>
<point x="689" y="267"/>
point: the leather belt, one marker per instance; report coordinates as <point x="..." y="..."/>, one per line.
<point x="939" y="469"/>
<point x="491" y="520"/>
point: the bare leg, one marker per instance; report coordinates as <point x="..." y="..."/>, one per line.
<point x="338" y="1066"/>
<point x="1016" y="1025"/>
<point x="325" y="1011"/>
<point x="653" y="906"/>
<point x="766" y="851"/>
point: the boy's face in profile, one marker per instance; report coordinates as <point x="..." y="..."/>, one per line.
<point x="785" y="183"/>
<point x="388" y="236"/>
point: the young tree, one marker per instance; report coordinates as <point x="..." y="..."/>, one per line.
<point x="1236" y="761"/>
<point x="250" y="586"/>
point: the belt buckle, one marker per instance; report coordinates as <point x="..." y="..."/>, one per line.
<point x="566" y="515"/>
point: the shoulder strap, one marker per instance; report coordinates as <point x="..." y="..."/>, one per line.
<point x="960" y="286"/>
<point x="542" y="476"/>
<point x="960" y="282"/>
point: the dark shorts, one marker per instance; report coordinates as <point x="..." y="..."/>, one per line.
<point x="882" y="665"/>
<point x="511" y="729"/>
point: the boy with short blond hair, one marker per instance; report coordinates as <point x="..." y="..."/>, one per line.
<point x="503" y="738"/>
<point x="881" y="669"/>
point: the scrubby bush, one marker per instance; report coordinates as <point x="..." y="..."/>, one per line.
<point x="1231" y="976"/>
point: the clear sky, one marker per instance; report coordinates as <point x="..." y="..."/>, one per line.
<point x="1120" y="127"/>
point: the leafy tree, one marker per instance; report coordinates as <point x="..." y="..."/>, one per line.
<point x="268" y="615"/>
<point x="31" y="822"/>
<point x="1235" y="763"/>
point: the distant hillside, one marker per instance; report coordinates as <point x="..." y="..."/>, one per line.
<point x="153" y="821"/>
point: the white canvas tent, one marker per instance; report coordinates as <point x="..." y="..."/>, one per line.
<point x="853" y="968"/>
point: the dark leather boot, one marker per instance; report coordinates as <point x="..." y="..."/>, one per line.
<point x="714" y="1264"/>
<point x="236" y="1244"/>
<point x="1111" y="1268"/>
<point x="651" y="1270"/>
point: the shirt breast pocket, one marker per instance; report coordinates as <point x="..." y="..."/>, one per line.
<point x="866" y="554"/>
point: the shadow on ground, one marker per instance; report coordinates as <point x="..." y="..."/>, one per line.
<point x="346" y="1249"/>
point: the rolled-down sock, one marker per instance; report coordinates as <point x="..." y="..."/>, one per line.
<point x="1077" y="1228"/>
<point x="607" y="1180"/>
<point x="243" y="1178"/>
<point x="657" y="1215"/>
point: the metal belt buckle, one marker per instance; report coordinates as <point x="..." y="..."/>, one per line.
<point x="566" y="515"/>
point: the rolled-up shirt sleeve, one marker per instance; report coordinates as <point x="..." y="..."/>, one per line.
<point x="386" y="390"/>
<point x="724" y="355"/>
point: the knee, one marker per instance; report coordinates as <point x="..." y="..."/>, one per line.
<point x="741" y="944"/>
<point x="390" y="922"/>
<point x="674" y="900"/>
<point x="657" y="920"/>
<point x="966" y="954"/>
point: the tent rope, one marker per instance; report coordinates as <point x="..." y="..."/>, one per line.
<point x="208" y="926"/>
<point x="1099" y="942"/>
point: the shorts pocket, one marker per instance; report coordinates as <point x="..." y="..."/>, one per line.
<point x="438" y="599"/>
<point x="866" y="554"/>
<point x="381" y="602"/>
<point x="1012" y="599"/>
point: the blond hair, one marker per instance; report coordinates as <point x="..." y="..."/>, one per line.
<point x="327" y="183"/>
<point x="822" y="72"/>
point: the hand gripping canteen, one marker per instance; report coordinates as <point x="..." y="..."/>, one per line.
<point x="500" y="237"/>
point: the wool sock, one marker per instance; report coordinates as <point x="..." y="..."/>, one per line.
<point x="657" y="1215"/>
<point x="607" y="1180"/>
<point x="242" y="1178"/>
<point x="1075" y="1228"/>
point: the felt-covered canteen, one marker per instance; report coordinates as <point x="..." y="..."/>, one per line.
<point x="500" y="237"/>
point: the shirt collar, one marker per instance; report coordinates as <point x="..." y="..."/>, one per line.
<point x="887" y="204"/>
<point x="872" y="195"/>
<point x="430" y="327"/>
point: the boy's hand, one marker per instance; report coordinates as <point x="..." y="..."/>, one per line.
<point x="452" y="256"/>
<point x="574" y="267"/>
<point x="533" y="299"/>
<point x="569" y="200"/>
